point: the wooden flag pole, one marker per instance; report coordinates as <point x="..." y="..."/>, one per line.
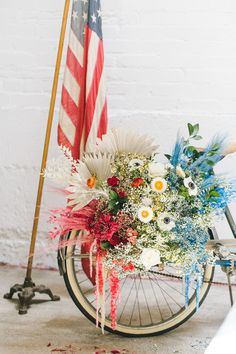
<point x="47" y="139"/>
<point x="27" y="290"/>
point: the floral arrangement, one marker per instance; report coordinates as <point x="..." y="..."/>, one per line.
<point x="139" y="212"/>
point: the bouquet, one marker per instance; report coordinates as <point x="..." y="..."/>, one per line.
<point x="140" y="212"/>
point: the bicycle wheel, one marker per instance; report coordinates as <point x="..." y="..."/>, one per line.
<point x="150" y="304"/>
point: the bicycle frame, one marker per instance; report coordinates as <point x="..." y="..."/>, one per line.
<point x="230" y="220"/>
<point x="226" y="251"/>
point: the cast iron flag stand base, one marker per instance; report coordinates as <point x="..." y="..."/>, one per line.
<point x="27" y="290"/>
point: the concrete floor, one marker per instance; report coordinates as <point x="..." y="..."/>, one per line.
<point x="59" y="327"/>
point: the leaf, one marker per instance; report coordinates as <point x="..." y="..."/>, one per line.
<point x="113" y="195"/>
<point x="183" y="192"/>
<point x="196" y="129"/>
<point x="190" y="129"/>
<point x="122" y="201"/>
<point x="105" y="245"/>
<point x="197" y="137"/>
<point x="111" y="205"/>
<point x="115" y="210"/>
<point x="190" y="148"/>
<point x="210" y="162"/>
<point x="215" y="147"/>
<point x="168" y="156"/>
<point x="214" y="194"/>
<point x="191" y="151"/>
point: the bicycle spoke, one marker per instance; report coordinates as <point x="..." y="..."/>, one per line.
<point x="136" y="299"/>
<point x="146" y="299"/>
<point x="172" y="287"/>
<point x="155" y="296"/>
<point x="163" y="295"/>
<point x="162" y="289"/>
<point x="126" y="302"/>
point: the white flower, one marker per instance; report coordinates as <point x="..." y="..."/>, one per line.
<point x="191" y="186"/>
<point x="157" y="169"/>
<point x="180" y="172"/>
<point x="150" y="257"/>
<point x="59" y="170"/>
<point x="99" y="165"/>
<point x="193" y="192"/>
<point x="159" y="185"/>
<point x="145" y="214"/>
<point x="165" y="222"/>
<point x="136" y="163"/>
<point x="83" y="181"/>
<point x="147" y="201"/>
<point x="124" y="141"/>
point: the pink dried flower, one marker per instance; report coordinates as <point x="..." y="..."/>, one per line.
<point x="67" y="220"/>
<point x="132" y="235"/>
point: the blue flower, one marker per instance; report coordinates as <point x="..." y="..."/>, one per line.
<point x="177" y="151"/>
<point x="189" y="235"/>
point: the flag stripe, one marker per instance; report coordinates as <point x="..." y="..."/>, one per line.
<point x="76" y="48"/>
<point x="94" y="91"/>
<point x="75" y="68"/>
<point x="62" y="139"/>
<point x="69" y="106"/>
<point x="83" y="114"/>
<point x="71" y="86"/>
<point x="93" y="124"/>
<point x="67" y="126"/>
<point x="103" y="121"/>
<point x="92" y="59"/>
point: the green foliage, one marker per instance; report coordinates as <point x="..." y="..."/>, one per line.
<point x="113" y="195"/>
<point x="211" y="194"/>
<point x="184" y="192"/>
<point x="192" y="151"/>
<point x="215" y="194"/>
<point x="105" y="245"/>
<point x="190" y="129"/>
<point x="214" y="150"/>
<point x="115" y="202"/>
<point x="210" y="162"/>
<point x="193" y="131"/>
<point x="168" y="156"/>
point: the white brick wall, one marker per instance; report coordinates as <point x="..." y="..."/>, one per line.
<point x="168" y="62"/>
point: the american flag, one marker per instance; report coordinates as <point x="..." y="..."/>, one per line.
<point x="83" y="113"/>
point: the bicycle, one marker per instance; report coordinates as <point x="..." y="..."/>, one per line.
<point x="152" y="304"/>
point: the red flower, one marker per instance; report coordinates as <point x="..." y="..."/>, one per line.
<point x="137" y="182"/>
<point x="122" y="194"/>
<point x="113" y="181"/>
<point x="105" y="228"/>
<point x="115" y="240"/>
<point x="129" y="267"/>
<point x="125" y="267"/>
